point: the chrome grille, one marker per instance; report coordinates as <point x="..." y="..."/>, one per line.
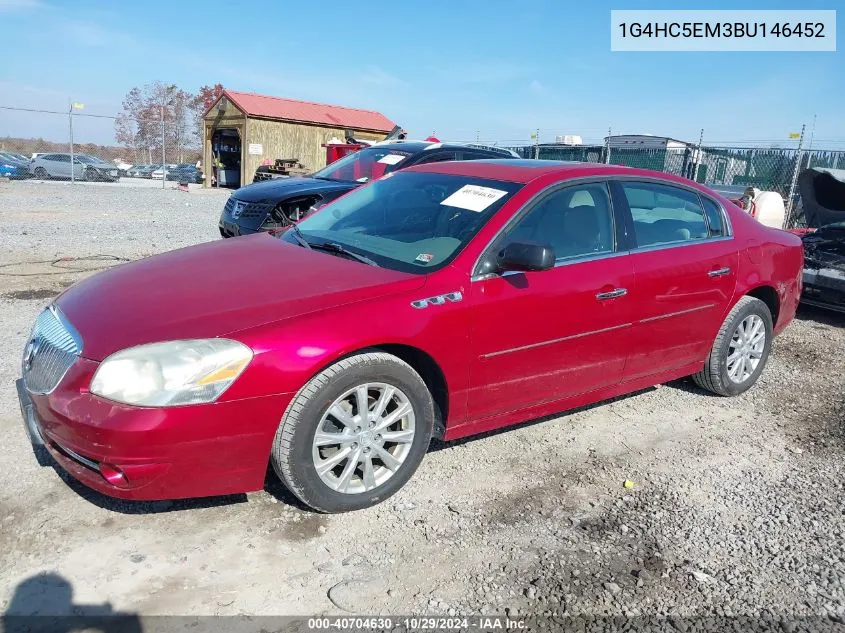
<point x="53" y="347"/>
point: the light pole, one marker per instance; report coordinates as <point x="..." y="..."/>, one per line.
<point x="163" y="161"/>
<point x="71" y="106"/>
<point x="165" y="102"/>
<point x="70" y="136"/>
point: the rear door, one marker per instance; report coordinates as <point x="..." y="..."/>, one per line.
<point x="685" y="264"/>
<point x="544" y="335"/>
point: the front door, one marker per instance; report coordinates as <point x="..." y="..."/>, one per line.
<point x="60" y="166"/>
<point x="685" y="264"/>
<point x="541" y="336"/>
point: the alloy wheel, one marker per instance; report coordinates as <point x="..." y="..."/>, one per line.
<point x="746" y="348"/>
<point x="363" y="438"/>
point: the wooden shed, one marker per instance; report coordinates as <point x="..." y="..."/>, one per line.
<point x="244" y="129"/>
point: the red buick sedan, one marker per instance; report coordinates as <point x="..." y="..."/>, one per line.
<point x="443" y="300"/>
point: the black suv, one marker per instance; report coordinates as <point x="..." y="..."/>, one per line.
<point x="271" y="204"/>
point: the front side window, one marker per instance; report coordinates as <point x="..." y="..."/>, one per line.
<point x="365" y="165"/>
<point x="408" y="221"/>
<point x="575" y="222"/>
<point x="664" y="214"/>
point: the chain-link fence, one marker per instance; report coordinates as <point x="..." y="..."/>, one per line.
<point x="75" y="146"/>
<point x="771" y="169"/>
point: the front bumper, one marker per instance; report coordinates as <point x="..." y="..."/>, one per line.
<point x="153" y="453"/>
<point x="231" y="228"/>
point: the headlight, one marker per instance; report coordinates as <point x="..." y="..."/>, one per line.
<point x="172" y="373"/>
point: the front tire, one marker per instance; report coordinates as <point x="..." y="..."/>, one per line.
<point x="355" y="433"/>
<point x="740" y="351"/>
<point x="41" y="173"/>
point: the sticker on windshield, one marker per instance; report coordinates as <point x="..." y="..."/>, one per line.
<point x="473" y="198"/>
<point x="391" y="159"/>
<point x="362" y="179"/>
<point x="424" y="258"/>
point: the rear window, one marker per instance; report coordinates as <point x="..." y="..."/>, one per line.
<point x="365" y="165"/>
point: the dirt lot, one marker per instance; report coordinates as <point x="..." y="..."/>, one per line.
<point x="738" y="505"/>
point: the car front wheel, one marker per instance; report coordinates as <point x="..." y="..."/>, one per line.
<point x="740" y="350"/>
<point x="355" y="433"/>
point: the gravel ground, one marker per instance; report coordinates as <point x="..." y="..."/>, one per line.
<point x="737" y="505"/>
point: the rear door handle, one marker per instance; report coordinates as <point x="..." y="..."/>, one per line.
<point x="720" y="272"/>
<point x="618" y="292"/>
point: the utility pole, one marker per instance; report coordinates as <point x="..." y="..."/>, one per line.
<point x="70" y="136"/>
<point x="537" y="144"/>
<point x="478" y="136"/>
<point x="163" y="162"/>
<point x="607" y="147"/>
<point x="810" y="146"/>
<point x="788" y="218"/>
<point x="697" y="160"/>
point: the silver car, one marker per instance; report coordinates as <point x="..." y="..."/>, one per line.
<point x="85" y="167"/>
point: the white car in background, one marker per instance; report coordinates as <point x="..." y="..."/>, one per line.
<point x="160" y="173"/>
<point x="58" y="165"/>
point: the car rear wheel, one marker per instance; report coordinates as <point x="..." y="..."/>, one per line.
<point x="41" y="173"/>
<point x="355" y="433"/>
<point x="740" y="350"/>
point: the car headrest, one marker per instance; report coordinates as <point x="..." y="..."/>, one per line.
<point x="581" y="225"/>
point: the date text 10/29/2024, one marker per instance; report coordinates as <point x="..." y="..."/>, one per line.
<point x="417" y="623"/>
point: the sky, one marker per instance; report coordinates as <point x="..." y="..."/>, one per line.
<point x="463" y="69"/>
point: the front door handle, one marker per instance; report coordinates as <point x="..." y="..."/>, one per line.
<point x="720" y="272"/>
<point x="618" y="292"/>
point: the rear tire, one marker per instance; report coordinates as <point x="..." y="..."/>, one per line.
<point x="376" y="466"/>
<point x="740" y="351"/>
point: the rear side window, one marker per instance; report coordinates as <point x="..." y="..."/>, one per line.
<point x="438" y="157"/>
<point x="714" y="218"/>
<point x="664" y="214"/>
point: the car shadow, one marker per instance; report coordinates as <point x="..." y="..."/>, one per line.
<point x="44" y="603"/>
<point x="820" y="315"/>
<point x="274" y="487"/>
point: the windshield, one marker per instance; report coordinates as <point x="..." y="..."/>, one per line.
<point x="408" y="221"/>
<point x="365" y="165"/>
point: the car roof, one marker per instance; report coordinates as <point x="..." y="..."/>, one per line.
<point x="524" y="170"/>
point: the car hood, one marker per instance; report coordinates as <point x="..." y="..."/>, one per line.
<point x="277" y="189"/>
<point x="216" y="289"/>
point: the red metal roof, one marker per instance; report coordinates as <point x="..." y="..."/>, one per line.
<point x="256" y="105"/>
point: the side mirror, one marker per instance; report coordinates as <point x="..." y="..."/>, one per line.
<point x="524" y="257"/>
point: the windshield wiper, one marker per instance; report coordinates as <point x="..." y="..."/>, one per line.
<point x="334" y="247"/>
<point x="297" y="233"/>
